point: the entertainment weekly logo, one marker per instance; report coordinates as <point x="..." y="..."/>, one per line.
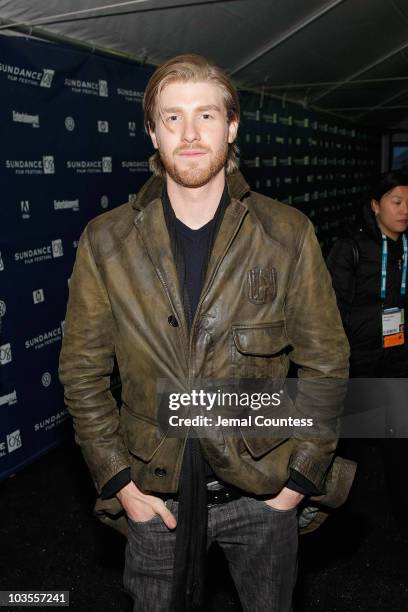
<point x="102" y="166"/>
<point x="26" y="76"/>
<point x="9" y="399"/>
<point x="45" y="165"/>
<point x="94" y="88"/>
<point x="66" y="204"/>
<point x="33" y="120"/>
<point x="130" y="95"/>
<point x="42" y="253"/>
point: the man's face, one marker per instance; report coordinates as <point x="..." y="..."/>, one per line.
<point x="192" y="135"/>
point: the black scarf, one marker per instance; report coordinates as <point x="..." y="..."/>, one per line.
<point x="191" y="534"/>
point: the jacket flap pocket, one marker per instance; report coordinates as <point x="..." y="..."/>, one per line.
<point x="143" y="438"/>
<point x="260" y="340"/>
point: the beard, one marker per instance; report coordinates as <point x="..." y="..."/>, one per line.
<point x="194" y="174"/>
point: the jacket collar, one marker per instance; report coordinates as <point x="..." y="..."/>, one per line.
<point x="151" y="225"/>
<point x="152" y="189"/>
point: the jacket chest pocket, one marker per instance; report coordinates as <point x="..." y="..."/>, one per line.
<point x="258" y="351"/>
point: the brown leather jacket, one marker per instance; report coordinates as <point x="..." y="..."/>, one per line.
<point x="123" y="291"/>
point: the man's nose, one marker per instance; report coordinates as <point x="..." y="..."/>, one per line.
<point x="190" y="131"/>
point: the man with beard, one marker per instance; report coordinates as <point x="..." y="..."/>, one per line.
<point x="200" y="278"/>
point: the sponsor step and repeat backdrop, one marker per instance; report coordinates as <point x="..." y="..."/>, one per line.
<point x="72" y="146"/>
<point x="313" y="161"/>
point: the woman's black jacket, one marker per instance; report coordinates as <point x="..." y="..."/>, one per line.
<point x="355" y="266"/>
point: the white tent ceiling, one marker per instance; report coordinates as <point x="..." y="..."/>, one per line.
<point x="345" y="56"/>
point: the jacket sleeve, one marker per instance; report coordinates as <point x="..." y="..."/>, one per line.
<point x="86" y="363"/>
<point x="341" y="265"/>
<point x="321" y="350"/>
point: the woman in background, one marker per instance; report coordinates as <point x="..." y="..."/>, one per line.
<point x="369" y="274"/>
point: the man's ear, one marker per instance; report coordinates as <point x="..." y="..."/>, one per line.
<point x="374" y="207"/>
<point x="232" y="130"/>
<point x="152" y="135"/>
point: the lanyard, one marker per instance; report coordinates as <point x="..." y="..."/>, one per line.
<point x="384" y="258"/>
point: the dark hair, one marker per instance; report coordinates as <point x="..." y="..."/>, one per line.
<point x="388" y="181"/>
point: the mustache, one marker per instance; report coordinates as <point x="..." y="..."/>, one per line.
<point x="191" y="147"/>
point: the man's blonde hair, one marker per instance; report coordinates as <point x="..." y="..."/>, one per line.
<point x="185" y="68"/>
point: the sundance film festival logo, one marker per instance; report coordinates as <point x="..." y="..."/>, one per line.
<point x="135" y="166"/>
<point x="44" y="339"/>
<point x="26" y="76"/>
<point x="14" y="441"/>
<point x="38" y="296"/>
<point x="3" y="308"/>
<point x="130" y="95"/>
<point x="46" y="379"/>
<point x="51" y="421"/>
<point x="33" y="120"/>
<point x="69" y="124"/>
<point x="31" y="166"/>
<point x="103" y="127"/>
<point x="1" y="263"/>
<point x="9" y="399"/>
<point x="85" y="87"/>
<point x="132" y="128"/>
<point x="104" y="201"/>
<point x="42" y="253"/>
<point x="97" y="166"/>
<point x="5" y="354"/>
<point x="25" y="209"/>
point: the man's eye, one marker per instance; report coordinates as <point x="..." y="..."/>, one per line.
<point x="172" y="118"/>
<point x="206" y="116"/>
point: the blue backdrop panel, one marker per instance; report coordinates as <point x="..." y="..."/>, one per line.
<point x="72" y="145"/>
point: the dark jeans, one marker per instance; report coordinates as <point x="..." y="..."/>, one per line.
<point x="259" y="542"/>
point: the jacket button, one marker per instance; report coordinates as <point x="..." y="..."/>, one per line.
<point x="173" y="321"/>
<point x="160" y="472"/>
